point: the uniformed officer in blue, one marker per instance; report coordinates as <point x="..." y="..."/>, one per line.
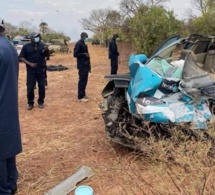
<point x="10" y="138"/>
<point x="33" y="55"/>
<point x="83" y="65"/>
<point x="113" y="54"/>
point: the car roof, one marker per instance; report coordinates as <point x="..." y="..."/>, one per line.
<point x="23" y="41"/>
<point x="192" y="38"/>
<point x="180" y="40"/>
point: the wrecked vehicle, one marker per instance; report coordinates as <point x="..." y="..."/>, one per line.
<point x="173" y="87"/>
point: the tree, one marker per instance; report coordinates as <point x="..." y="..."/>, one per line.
<point x="25" y="28"/>
<point x="203" y="6"/>
<point x="155" y="2"/>
<point x="151" y="25"/>
<point x="205" y="22"/>
<point x="103" y="22"/>
<point x="23" y="31"/>
<point x="55" y="35"/>
<point x="130" y="7"/>
<point x="43" y="27"/>
<point x="25" y="25"/>
<point x="10" y="29"/>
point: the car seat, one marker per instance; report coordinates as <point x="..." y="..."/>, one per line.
<point x="193" y="75"/>
<point x="184" y="54"/>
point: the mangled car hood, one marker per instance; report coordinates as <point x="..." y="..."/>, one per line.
<point x="161" y="92"/>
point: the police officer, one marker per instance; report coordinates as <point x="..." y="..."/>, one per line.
<point x="33" y="55"/>
<point x="113" y="54"/>
<point x="47" y="58"/>
<point x="10" y="138"/>
<point x="83" y="65"/>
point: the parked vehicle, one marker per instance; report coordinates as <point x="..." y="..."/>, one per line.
<point x="16" y="39"/>
<point x="58" y="46"/>
<point x="95" y="42"/>
<point x="20" y="44"/>
<point x="172" y="88"/>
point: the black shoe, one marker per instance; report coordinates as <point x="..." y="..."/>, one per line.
<point x="13" y="192"/>
<point x="41" y="106"/>
<point x="30" y="107"/>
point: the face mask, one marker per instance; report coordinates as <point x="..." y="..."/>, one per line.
<point x="37" y="39"/>
<point x="86" y="39"/>
<point x="117" y="39"/>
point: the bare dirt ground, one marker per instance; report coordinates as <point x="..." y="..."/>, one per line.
<point x="67" y="134"/>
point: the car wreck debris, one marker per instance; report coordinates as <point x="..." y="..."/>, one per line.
<point x="160" y="93"/>
<point x="69" y="184"/>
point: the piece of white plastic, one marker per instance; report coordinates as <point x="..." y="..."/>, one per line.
<point x="69" y="184"/>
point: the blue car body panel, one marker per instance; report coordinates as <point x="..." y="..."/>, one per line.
<point x="147" y="98"/>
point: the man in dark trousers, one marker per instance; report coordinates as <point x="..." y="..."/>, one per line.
<point x="33" y="55"/>
<point x="47" y="58"/>
<point x="10" y="138"/>
<point x="83" y="65"/>
<point x="113" y="54"/>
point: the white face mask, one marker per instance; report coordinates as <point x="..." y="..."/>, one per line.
<point x="37" y="39"/>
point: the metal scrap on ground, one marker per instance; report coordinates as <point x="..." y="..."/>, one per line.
<point x="69" y="184"/>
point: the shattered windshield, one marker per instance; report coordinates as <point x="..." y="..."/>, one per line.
<point x="165" y="69"/>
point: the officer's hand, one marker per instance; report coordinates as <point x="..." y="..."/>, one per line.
<point x="87" y="55"/>
<point x="46" y="48"/>
<point x="33" y="65"/>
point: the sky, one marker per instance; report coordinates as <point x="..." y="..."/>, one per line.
<point x="65" y="15"/>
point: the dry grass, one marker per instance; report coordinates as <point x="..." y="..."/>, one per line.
<point x="67" y="134"/>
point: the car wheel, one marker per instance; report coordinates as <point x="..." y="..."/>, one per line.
<point x="118" y="119"/>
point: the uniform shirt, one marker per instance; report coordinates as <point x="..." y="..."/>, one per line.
<point x="79" y="52"/>
<point x="10" y="138"/>
<point x="113" y="51"/>
<point x="34" y="54"/>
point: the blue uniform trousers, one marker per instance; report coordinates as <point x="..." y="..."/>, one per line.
<point x="8" y="176"/>
<point x="33" y="76"/>
<point x="82" y="83"/>
<point x="114" y="65"/>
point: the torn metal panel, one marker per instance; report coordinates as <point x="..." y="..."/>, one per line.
<point x="194" y="76"/>
<point x="209" y="64"/>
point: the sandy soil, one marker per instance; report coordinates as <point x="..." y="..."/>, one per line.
<point x="68" y="134"/>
